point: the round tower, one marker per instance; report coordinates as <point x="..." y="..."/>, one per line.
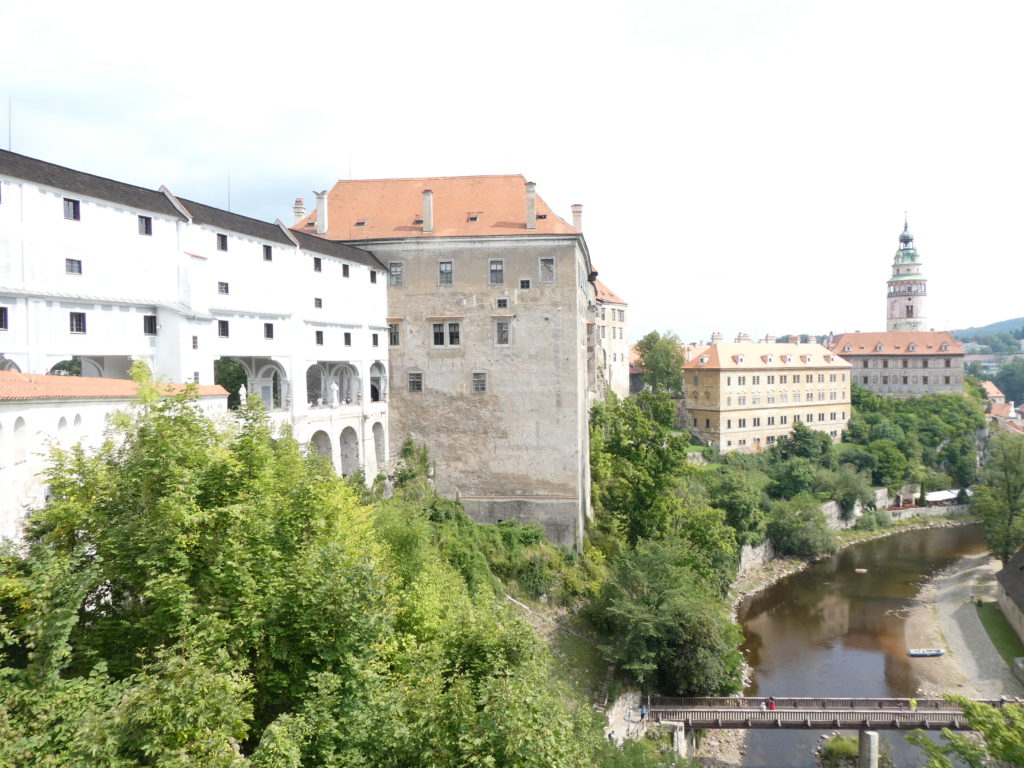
<point x="907" y="288"/>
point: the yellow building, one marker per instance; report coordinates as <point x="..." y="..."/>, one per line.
<point x="744" y="396"/>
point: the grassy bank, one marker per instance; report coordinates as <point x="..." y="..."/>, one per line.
<point x="1000" y="632"/>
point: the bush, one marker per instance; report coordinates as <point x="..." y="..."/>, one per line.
<point x="873" y="521"/>
<point x="840" y="750"/>
<point x="798" y="528"/>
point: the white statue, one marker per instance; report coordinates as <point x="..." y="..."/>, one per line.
<point x="242" y="395"/>
<point x="334" y="394"/>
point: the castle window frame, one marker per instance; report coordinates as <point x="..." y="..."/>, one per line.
<point x="546" y="270"/>
<point x="396" y="274"/>
<point x="496" y="272"/>
<point x="72" y="209"/>
<point x="415" y="381"/>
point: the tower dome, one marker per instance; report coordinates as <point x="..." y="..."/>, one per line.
<point x="907" y="288"/>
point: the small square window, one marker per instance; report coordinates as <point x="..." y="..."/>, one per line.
<point x="72" y="209"/>
<point x="374" y="339"/>
<point x="497" y="272"/>
<point x="444" y="273"/>
<point x="320" y="338"/>
<point x="223" y="288"/>
<point x="373" y="275"/>
<point x="479" y="382"/>
<point x="73" y="266"/>
<point x="502" y="303"/>
<point x="195" y="342"/>
<point x="149" y="325"/>
<point x="415" y="382"/>
<point x="344" y="270"/>
<point x="77" y="322"/>
<point x="318" y="264"/>
<point x="394" y="335"/>
<point x="222" y="242"/>
<point x="268" y="253"/>
<point x="223" y="329"/>
<point x="145" y="225"/>
<point x="318" y="303"/>
<point x="268" y="330"/>
<point x="524" y="284"/>
<point x="3" y="319"/>
<point x="348" y="339"/>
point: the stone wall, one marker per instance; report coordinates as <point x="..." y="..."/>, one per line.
<point x="755" y="557"/>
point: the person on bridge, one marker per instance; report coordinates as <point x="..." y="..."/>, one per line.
<point x="643" y="712"/>
<point x="771" y="703"/>
<point x="913" y="705"/>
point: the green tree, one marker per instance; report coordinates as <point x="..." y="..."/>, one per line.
<point x="658" y="406"/>
<point x="1010" y="379"/>
<point x="798" y="527"/>
<point x="890" y="463"/>
<point x="1002" y="737"/>
<point x="846" y="486"/>
<point x="737" y="493"/>
<point x="999" y="500"/>
<point x="792" y="477"/>
<point x="661" y="359"/>
<point x="231" y="375"/>
<point x="806" y="443"/>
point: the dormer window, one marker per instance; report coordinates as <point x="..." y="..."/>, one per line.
<point x="912" y="347"/>
<point x="878" y="347"/>
<point x="703" y="360"/>
<point x="848" y="348"/>
<point x="360" y="223"/>
<point x="472" y="217"/>
<point x="945" y="346"/>
<point x="787" y="358"/>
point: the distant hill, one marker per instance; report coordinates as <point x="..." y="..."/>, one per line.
<point x="1003" y="326"/>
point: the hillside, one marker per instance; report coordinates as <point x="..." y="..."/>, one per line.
<point x="1003" y="326"/>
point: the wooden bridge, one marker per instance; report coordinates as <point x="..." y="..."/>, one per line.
<point x="808" y="713"/>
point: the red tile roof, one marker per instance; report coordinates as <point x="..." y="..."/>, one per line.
<point x="991" y="390"/>
<point x="390" y="208"/>
<point x="606" y="294"/>
<point x="896" y="343"/>
<point x="29" y="386"/>
<point x="772" y="356"/>
<point x="1001" y="410"/>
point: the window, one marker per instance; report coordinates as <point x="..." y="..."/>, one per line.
<point x="741" y="423"/>
<point x="771" y="400"/>
<point x="796" y="378"/>
<point x="832" y="416"/>
<point x="771" y="421"/>
<point x="348" y="339"/>
<point x="73" y="266"/>
<point x="375" y="339"/>
<point x="728" y="423"/>
<point x="453" y="334"/>
<point x="444" y="273"/>
<point x="904" y="379"/>
<point x="756" y="421"/>
<point x="415" y="382"/>
<point x="784" y="379"/>
<point x="810" y="417"/>
<point x="741" y="381"/>
<point x="833" y="396"/>
<point x="195" y="342"/>
<point x="771" y="379"/>
<point x="796" y="397"/>
<point x="741" y="400"/>
<point x="344" y="270"/>
<point x="770" y="439"/>
<point x="707" y="423"/>
<point x="438" y="334"/>
<point x="77" y="322"/>
<point x="318" y="303"/>
<point x="3" y="319"/>
<point x="501" y="334"/>
<point x="394" y="336"/>
<point x="72" y="209"/>
<point x="222" y="328"/>
<point x="885" y="379"/>
<point x="149" y="325"/>
<point x="821" y="417"/>
<point x="195" y="376"/>
<point x="524" y="284"/>
<point x="755" y="379"/>
<point x="547" y="270"/>
<point x="783" y="419"/>
<point x="796" y="418"/>
<point x="479" y="382"/>
<point x="318" y="264"/>
<point x="867" y="363"/>
<point x="728" y="381"/>
<point x="145" y="225"/>
<point x="222" y="288"/>
<point x="949" y="363"/>
<point x="268" y="330"/>
<point x="821" y="378"/>
<point x="222" y="242"/>
<point x="831" y="377"/>
<point x="319" y="338"/>
<point x="784" y="398"/>
<point x="944" y="377"/>
<point x="497" y="272"/>
<point x="865" y="378"/>
<point x="906" y="363"/>
<point x="821" y="396"/>
<point x="373" y="275"/>
<point x="502" y="303"/>
<point x="924" y="363"/>
<point x="885" y="363"/>
<point x="395" y="276"/>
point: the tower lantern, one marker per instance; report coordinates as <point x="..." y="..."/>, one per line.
<point x="907" y="288"/>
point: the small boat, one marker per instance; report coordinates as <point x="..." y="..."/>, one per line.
<point x="860" y="570"/>
<point x="925" y="652"/>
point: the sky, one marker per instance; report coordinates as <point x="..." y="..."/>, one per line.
<point x="744" y="165"/>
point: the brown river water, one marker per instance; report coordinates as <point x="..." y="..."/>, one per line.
<point x="830" y="631"/>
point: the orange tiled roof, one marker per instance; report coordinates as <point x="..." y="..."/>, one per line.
<point x="896" y="343"/>
<point x="390" y="208"/>
<point x="747" y="356"/>
<point x="29" y="386"/>
<point x="991" y="390"/>
<point x="1002" y="410"/>
<point x="606" y="294"/>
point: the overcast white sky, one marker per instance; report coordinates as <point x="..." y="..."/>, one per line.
<point x="744" y="165"/>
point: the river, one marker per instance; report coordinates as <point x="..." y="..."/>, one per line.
<point x="830" y="631"/>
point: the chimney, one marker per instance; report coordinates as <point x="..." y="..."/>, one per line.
<point x="794" y="338"/>
<point x="716" y="337"/>
<point x="577" y="217"/>
<point x="769" y="339"/>
<point x="428" y="211"/>
<point x="531" y="205"/>
<point x="742" y="338"/>
<point x="321" y="212"/>
<point x="299" y="209"/>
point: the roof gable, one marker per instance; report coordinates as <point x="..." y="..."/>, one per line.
<point x="897" y="343"/>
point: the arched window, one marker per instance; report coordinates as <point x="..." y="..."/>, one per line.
<point x="20" y="441"/>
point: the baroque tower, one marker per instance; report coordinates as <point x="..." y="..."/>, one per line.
<point x="907" y="288"/>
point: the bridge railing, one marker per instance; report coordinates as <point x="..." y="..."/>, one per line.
<point x="802" y="703"/>
<point x="731" y="717"/>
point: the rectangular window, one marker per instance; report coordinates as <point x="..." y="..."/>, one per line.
<point x="603" y="331"/>
<point x="783" y="419"/>
<point x="796" y="418"/>
<point x="344" y="270"/>
<point x="885" y="379"/>
<point x="348" y="339"/>
<point x="904" y="379"/>
<point x="821" y="417"/>
<point x="833" y="396"/>
<point x="497" y="272"/>
<point x="741" y="400"/>
<point x="444" y="273"/>
<point x="924" y="380"/>
<point x="784" y="379"/>
<point x="756" y="421"/>
<point x="501" y="335"/>
<point x="741" y="381"/>
<point x="502" y="303"/>
<point x="946" y="379"/>
<point x="821" y="378"/>
<point x="924" y="363"/>
<point x="728" y="423"/>
<point x="770" y="400"/>
<point x="524" y="284"/>
<point x="755" y="379"/>
<point x="319" y="338"/>
<point x="395" y="273"/>
<point x="771" y="421"/>
<point x="949" y="363"/>
<point x="707" y="423"/>
<point x="771" y="379"/>
<point x="268" y="330"/>
<point x="770" y="439"/>
<point x="145" y="225"/>
<point x="77" y="322"/>
<point x="222" y="288"/>
<point x="195" y="376"/>
<point x="784" y="398"/>
<point x="741" y="423"/>
<point x="865" y="378"/>
<point x="222" y="328"/>
<point x="373" y="275"/>
<point x="810" y="417"/>
<point x="547" y="270"/>
<point x="885" y="363"/>
<point x="728" y="381"/>
<point x="438" y="329"/>
<point x="755" y="400"/>
<point x="72" y="209"/>
<point x="222" y="242"/>
<point x="3" y="319"/>
<point x="821" y="396"/>
<point x="394" y="335"/>
<point x="374" y="339"/>
<point x="832" y="377"/>
<point x="415" y="382"/>
<point x="268" y="253"/>
<point x="195" y="342"/>
<point x="149" y="325"/>
<point x="453" y="334"/>
<point x="796" y="397"/>
<point x="318" y="264"/>
<point x="318" y="303"/>
<point x="832" y="416"/>
<point x="905" y="363"/>
<point x="479" y="382"/>
<point x="73" y="266"/>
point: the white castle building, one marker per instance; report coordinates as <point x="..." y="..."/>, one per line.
<point x="105" y="273"/>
